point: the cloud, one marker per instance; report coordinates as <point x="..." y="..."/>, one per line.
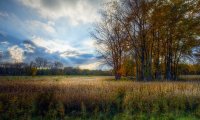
<point x="69" y="53"/>
<point x="90" y="66"/>
<point x="49" y="26"/>
<point x="82" y="59"/>
<point x="4" y="43"/>
<point x="77" y="11"/>
<point x="29" y="48"/>
<point x="51" y="23"/>
<point x="16" y="53"/>
<point x="26" y="28"/>
<point x="51" y="49"/>
<point x="86" y="46"/>
<point x="35" y="25"/>
<point x="89" y="43"/>
<point x="52" y="46"/>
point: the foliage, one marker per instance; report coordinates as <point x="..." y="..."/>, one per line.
<point x="157" y="35"/>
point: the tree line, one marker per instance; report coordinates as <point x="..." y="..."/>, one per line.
<point x="41" y="66"/>
<point x="148" y="38"/>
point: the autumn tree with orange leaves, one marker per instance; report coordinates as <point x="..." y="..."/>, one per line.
<point x="157" y="35"/>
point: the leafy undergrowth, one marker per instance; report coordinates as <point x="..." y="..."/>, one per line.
<point x="73" y="98"/>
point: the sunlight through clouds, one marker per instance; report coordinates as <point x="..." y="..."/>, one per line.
<point x="59" y="29"/>
<point x="90" y="66"/>
<point x="53" y="45"/>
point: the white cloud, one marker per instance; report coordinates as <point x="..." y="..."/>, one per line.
<point x="27" y="27"/>
<point x="51" y="23"/>
<point x="4" y="43"/>
<point x="87" y="46"/>
<point x="16" y="53"/>
<point x="37" y="25"/>
<point x="53" y="45"/>
<point x="29" y="48"/>
<point x="90" y="66"/>
<point x="89" y="43"/>
<point x="64" y="47"/>
<point x="77" y="11"/>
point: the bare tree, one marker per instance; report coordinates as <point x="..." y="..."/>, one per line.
<point x="58" y="65"/>
<point x="41" y="62"/>
<point x="110" y="37"/>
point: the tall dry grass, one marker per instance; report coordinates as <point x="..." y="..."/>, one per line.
<point x="62" y="96"/>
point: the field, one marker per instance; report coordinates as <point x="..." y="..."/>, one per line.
<point x="63" y="97"/>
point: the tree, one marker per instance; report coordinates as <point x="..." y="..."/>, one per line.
<point x="57" y="68"/>
<point x="110" y="37"/>
<point x="58" y="65"/>
<point x="156" y="34"/>
<point x="41" y="62"/>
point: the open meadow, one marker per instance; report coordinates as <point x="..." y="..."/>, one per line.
<point x="62" y="97"/>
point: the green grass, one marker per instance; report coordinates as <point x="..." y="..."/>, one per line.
<point x="64" y="97"/>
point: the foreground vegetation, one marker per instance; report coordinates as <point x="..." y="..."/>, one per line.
<point x="97" y="98"/>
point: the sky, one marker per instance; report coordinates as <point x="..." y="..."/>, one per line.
<point x="58" y="30"/>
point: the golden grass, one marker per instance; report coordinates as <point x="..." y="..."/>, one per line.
<point x="95" y="88"/>
<point x="101" y="94"/>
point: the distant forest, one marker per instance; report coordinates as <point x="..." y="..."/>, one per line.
<point x="41" y="66"/>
